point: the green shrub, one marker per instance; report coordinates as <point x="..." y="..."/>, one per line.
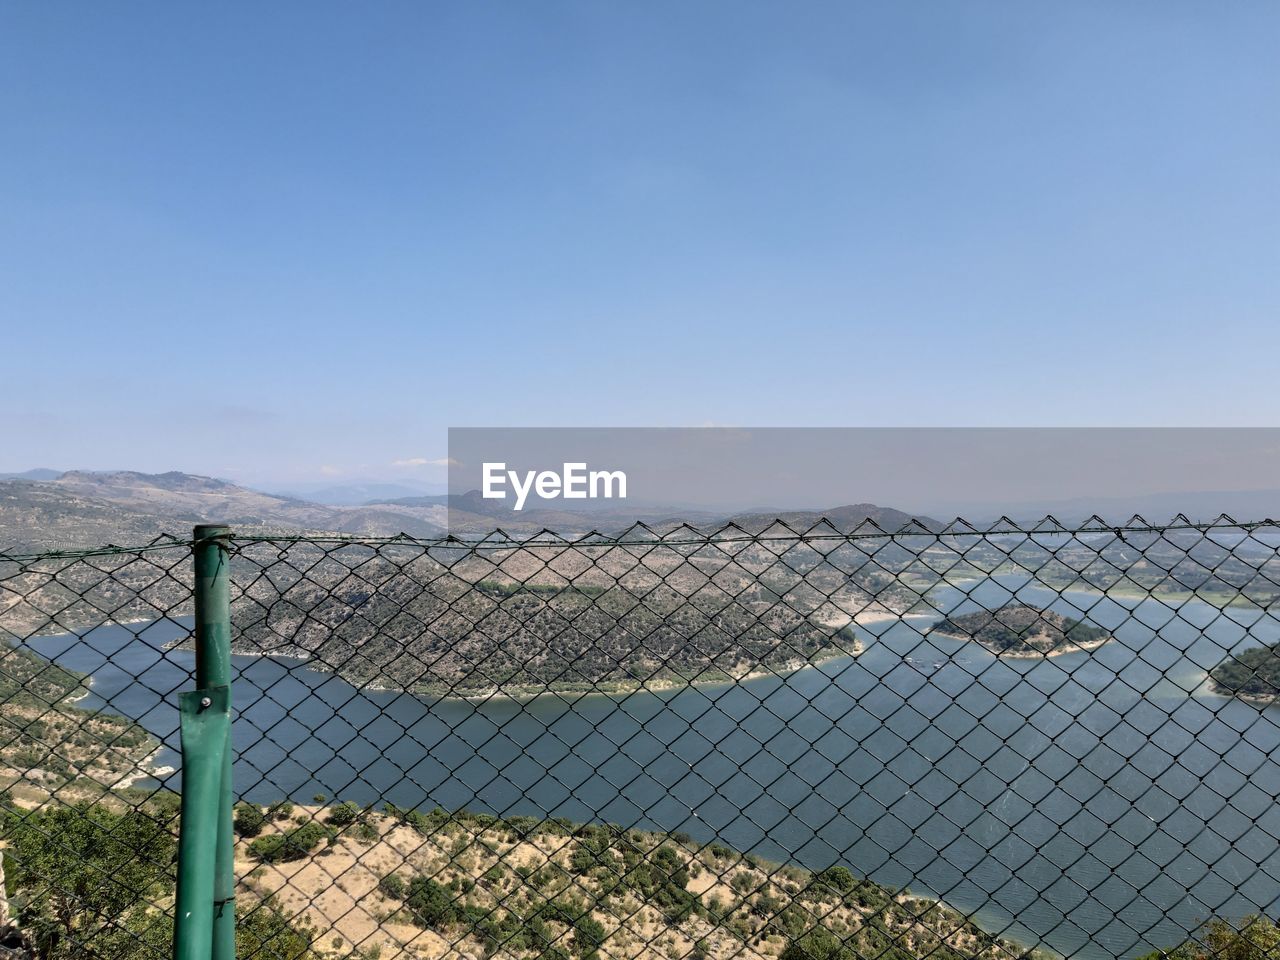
<point x="343" y="814"/>
<point x="838" y="879"/>
<point x="280" y="810"/>
<point x="426" y="824"/>
<point x="293" y="845"/>
<point x="429" y="903"/>
<point x="582" y="859"/>
<point x="249" y="819"/>
<point x="766" y="906"/>
<point x="392" y="886"/>
<point x="524" y="826"/>
<point x="165" y="804"/>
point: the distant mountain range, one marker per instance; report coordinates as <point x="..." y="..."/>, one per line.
<point x="80" y="508"/>
<point x="40" y="473"/>
<point x="43" y="510"/>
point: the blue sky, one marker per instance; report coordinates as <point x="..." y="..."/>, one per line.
<point x="298" y="241"/>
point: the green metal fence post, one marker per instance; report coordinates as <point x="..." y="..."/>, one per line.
<point x="205" y="908"/>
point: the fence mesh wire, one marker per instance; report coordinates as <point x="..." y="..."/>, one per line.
<point x="815" y="743"/>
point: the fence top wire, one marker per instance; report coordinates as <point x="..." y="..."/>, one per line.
<point x="643" y="534"/>
<point x="162" y="543"/>
<point x="683" y="534"/>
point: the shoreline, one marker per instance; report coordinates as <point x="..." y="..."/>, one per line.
<point x="89" y="627"/>
<point x="1208" y="687"/>
<point x="145" y="769"/>
<point x="877" y="615"/>
<point x="75" y="698"/>
<point x="788" y="669"/>
<point x="1254" y="699"/>
<point x="1087" y="647"/>
<point x="522" y="695"/>
<point x="622" y="688"/>
<point x="187" y="645"/>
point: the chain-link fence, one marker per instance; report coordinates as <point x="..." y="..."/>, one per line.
<point x="820" y="743"/>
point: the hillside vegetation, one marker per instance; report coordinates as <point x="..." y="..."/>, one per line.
<point x="96" y="880"/>
<point x="467" y="884"/>
<point x="527" y="620"/>
<point x="47" y="743"/>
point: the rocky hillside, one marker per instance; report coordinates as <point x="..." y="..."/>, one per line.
<point x="524" y="620"/>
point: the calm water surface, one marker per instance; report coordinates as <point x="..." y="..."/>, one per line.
<point x="1100" y="804"/>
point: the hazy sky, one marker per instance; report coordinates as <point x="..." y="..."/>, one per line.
<point x="299" y="240"/>
<point x="943" y="471"/>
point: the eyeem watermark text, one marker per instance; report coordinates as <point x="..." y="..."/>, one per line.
<point x="574" y="482"/>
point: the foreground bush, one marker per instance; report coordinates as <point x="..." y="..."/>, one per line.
<point x="1254" y="938"/>
<point x="85" y="881"/>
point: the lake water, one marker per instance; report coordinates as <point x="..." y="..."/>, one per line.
<point x="1098" y="804"/>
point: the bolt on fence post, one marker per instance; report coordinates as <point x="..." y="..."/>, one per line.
<point x="205" y="910"/>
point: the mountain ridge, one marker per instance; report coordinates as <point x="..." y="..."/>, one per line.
<point x="82" y="508"/>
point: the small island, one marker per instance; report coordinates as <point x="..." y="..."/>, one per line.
<point x="1019" y="630"/>
<point x="1252" y="674"/>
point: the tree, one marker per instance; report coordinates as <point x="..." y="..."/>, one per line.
<point x="838" y="879"/>
<point x="588" y="935"/>
<point x="95" y="874"/>
<point x="344" y="814"/>
<point x="392" y="886"/>
<point x="293" y="845"/>
<point x="429" y="903"/>
<point x="249" y="819"/>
